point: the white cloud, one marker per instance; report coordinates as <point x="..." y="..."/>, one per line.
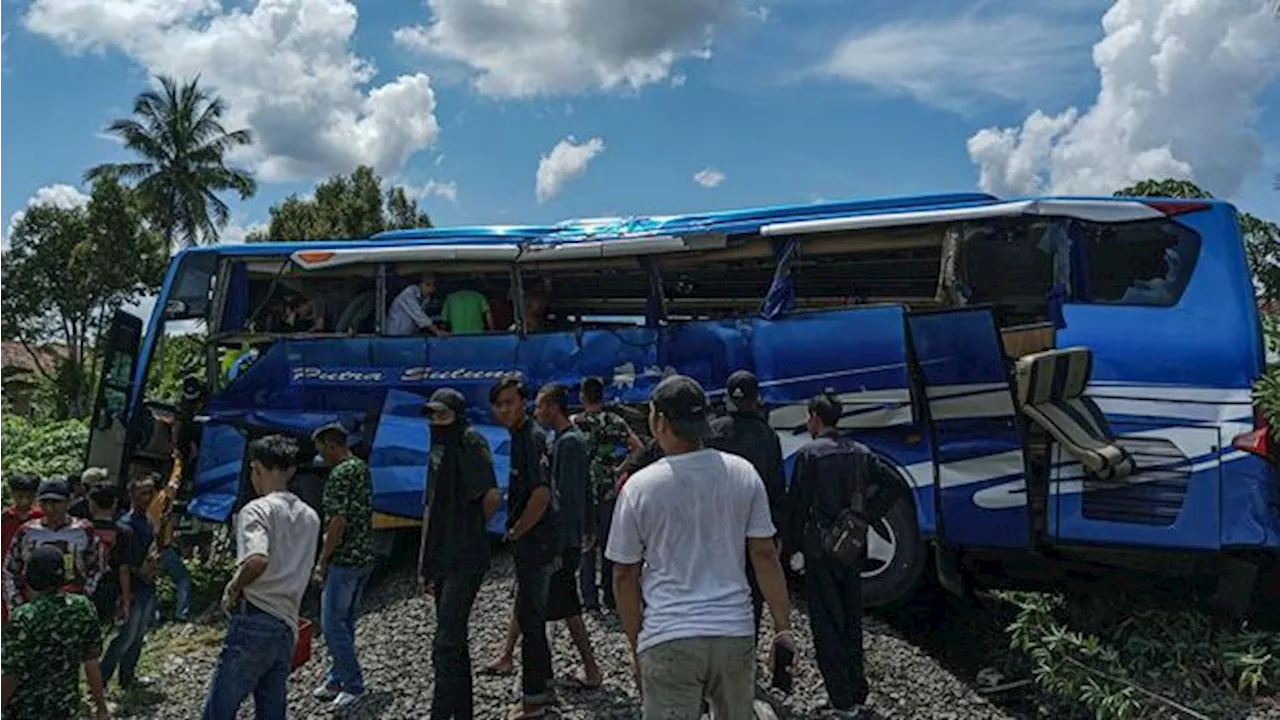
<point x="1178" y="99"/>
<point x="58" y="195"/>
<point x="708" y="177"/>
<point x="284" y="67"/>
<point x="550" y="47"/>
<point x="567" y="160"/>
<point x="955" y="63"/>
<point x="235" y="232"/>
<point x="433" y="188"/>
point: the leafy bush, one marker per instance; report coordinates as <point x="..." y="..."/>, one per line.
<point x="207" y="581"/>
<point x="1127" y="658"/>
<point x="1266" y="393"/>
<point x="44" y="449"/>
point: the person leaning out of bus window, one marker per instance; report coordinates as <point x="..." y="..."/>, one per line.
<point x="408" y="315"/>
<point x="467" y="312"/>
<point x="303" y="314"/>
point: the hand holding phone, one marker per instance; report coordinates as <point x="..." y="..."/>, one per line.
<point x="784" y="654"/>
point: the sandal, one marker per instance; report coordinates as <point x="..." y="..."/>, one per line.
<point x="497" y="669"/>
<point x="572" y="681"/>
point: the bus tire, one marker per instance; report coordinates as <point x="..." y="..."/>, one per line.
<point x="890" y="579"/>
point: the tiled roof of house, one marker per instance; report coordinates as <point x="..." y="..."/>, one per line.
<point x="14" y="356"/>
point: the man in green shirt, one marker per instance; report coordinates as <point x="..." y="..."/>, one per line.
<point x="467" y="312"/>
<point x="46" y="640"/>
<point x="346" y="560"/>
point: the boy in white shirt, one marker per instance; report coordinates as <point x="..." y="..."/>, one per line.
<point x="276" y="538"/>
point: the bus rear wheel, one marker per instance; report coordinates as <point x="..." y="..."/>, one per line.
<point x="896" y="557"/>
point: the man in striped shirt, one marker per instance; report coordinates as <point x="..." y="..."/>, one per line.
<point x="72" y="537"/>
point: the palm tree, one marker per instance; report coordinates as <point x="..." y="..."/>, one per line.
<point x="177" y="130"/>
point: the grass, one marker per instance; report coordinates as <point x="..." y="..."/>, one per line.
<point x="162" y="642"/>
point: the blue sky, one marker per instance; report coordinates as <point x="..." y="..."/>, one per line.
<point x="778" y="100"/>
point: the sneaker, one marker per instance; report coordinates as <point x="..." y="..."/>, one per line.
<point x="325" y="692"/>
<point x="346" y="700"/>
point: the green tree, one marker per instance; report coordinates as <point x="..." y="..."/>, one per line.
<point x="179" y="356"/>
<point x="178" y="132"/>
<point x="344" y="207"/>
<point x="66" y="273"/>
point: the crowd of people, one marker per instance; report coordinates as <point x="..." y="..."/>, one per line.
<point x="685" y="540"/>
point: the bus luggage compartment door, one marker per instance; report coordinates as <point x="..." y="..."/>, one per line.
<point x="1171" y="500"/>
<point x="963" y="382"/>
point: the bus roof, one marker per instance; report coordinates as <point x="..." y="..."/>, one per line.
<point x="498" y="242"/>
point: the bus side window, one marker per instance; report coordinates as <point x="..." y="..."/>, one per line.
<point x="564" y="295"/>
<point x="1136" y="263"/>
<point x="879" y="266"/>
<point x="1009" y="265"/>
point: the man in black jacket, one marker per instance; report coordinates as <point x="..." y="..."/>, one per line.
<point x="462" y="494"/>
<point x="532" y="510"/>
<point x="746" y="433"/>
<point x="832" y="474"/>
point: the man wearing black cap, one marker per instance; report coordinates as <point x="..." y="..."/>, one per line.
<point x="830" y="479"/>
<point x="73" y="537"/>
<point x="683" y="530"/>
<point x="746" y="433"/>
<point x="462" y="494"/>
<point x="345" y="562"/>
<point x="46" y="642"/>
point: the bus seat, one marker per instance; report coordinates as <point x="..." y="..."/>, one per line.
<point x="1051" y="387"/>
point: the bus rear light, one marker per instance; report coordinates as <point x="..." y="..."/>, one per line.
<point x="1176" y="207"/>
<point x="1258" y="440"/>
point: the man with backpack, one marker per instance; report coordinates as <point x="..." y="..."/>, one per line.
<point x="115" y="540"/>
<point x="826" y="541"/>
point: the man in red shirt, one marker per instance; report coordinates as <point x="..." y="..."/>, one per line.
<point x="22" y="491"/>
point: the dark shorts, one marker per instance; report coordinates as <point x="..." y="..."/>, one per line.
<point x="564" y="600"/>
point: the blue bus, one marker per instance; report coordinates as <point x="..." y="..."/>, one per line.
<point x="1055" y="379"/>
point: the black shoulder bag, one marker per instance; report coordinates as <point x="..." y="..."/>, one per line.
<point x="845" y="539"/>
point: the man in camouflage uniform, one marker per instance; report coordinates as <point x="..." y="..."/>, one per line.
<point x="605" y="431"/>
<point x="346" y="561"/>
<point x="47" y="639"/>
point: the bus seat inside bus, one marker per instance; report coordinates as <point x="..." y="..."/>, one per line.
<point x="1051" y="387"/>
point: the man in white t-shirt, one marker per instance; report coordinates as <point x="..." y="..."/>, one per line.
<point x="682" y="532"/>
<point x="276" y="538"/>
<point x="407" y="316"/>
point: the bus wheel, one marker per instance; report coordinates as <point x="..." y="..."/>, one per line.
<point x="896" y="558"/>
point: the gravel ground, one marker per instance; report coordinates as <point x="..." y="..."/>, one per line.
<point x="394" y="634"/>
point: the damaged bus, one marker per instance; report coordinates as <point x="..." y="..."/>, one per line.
<point x="1060" y="382"/>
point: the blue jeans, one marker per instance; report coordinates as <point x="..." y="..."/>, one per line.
<point x="176" y="569"/>
<point x="342" y="589"/>
<point x="126" y="646"/>
<point x="256" y="658"/>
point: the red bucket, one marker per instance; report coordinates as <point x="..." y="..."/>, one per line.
<point x="302" y="648"/>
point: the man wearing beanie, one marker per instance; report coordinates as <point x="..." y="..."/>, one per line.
<point x="45" y="642"/>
